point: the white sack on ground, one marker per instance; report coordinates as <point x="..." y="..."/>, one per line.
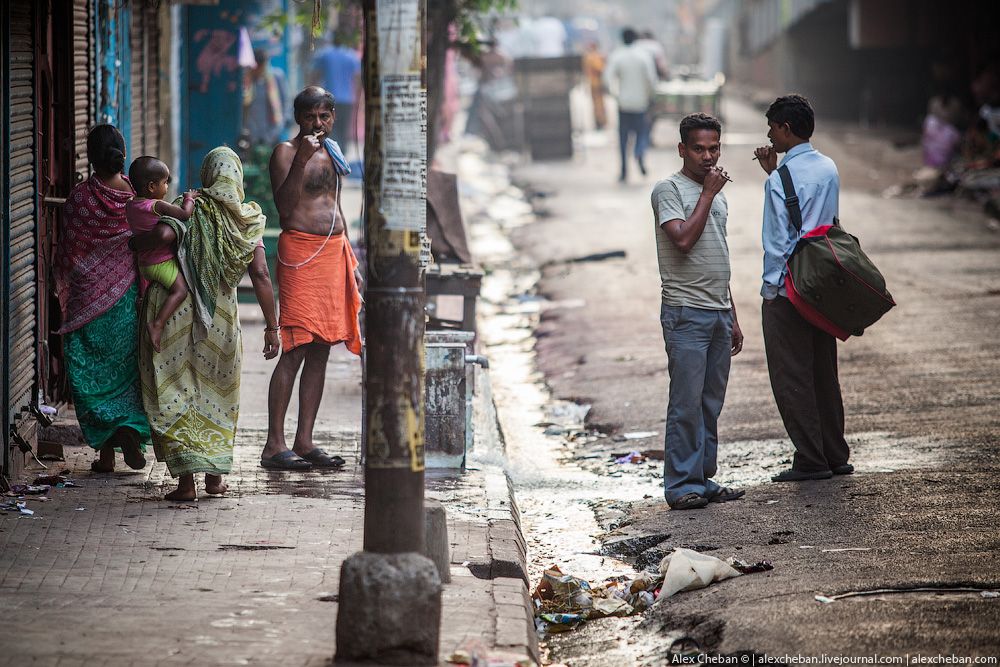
<point x="686" y="570"/>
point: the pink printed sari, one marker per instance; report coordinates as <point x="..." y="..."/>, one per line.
<point x="93" y="265"/>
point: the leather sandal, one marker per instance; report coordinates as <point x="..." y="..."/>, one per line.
<point x="689" y="501"/>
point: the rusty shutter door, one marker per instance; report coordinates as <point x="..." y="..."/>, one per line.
<point x="20" y="209"/>
<point x="84" y="97"/>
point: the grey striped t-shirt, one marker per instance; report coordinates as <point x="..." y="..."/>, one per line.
<point x="699" y="279"/>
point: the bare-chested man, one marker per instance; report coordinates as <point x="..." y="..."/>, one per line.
<point x="318" y="278"/>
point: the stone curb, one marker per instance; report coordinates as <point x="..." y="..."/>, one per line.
<point x="508" y="567"/>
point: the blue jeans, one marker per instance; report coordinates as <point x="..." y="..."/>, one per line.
<point x="699" y="343"/>
<point x="634" y="124"/>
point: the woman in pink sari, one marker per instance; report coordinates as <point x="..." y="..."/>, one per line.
<point x="95" y="280"/>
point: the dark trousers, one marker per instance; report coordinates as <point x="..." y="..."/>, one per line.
<point x="634" y="125"/>
<point x="802" y="363"/>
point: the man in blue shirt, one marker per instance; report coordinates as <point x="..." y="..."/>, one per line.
<point x="336" y="68"/>
<point x="801" y="359"/>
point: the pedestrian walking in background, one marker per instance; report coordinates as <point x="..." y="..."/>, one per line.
<point x="95" y="280"/>
<point x="631" y="78"/>
<point x="700" y="329"/>
<point x="337" y="68"/>
<point x="801" y="359"/>
<point x="593" y="69"/>
<point x="318" y="279"/>
<point x="191" y="388"/>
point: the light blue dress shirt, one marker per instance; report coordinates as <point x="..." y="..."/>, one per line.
<point x="817" y="185"/>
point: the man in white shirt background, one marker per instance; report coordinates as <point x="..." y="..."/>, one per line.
<point x="631" y="77"/>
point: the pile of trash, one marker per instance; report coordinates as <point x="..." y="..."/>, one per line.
<point x="36" y="491"/>
<point x="563" y="601"/>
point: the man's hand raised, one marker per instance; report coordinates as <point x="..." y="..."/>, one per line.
<point x="715" y="179"/>
<point x="308" y="145"/>
<point x="767" y="157"/>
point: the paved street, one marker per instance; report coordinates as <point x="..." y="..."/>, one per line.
<point x="110" y="573"/>
<point x="920" y="390"/>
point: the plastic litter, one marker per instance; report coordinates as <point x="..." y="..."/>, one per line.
<point x="16" y="506"/>
<point x="687" y="570"/>
<point x="631" y="457"/>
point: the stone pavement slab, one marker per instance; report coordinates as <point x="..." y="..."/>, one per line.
<point x="110" y="573"/>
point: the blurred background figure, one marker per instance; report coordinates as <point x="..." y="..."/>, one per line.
<point x="337" y="68"/>
<point x="656" y="51"/>
<point x="265" y="100"/>
<point x="593" y="70"/>
<point x="631" y="78"/>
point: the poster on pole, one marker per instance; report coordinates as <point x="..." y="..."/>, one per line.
<point x="404" y="116"/>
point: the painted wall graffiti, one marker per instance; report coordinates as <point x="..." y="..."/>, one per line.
<point x="214" y="57"/>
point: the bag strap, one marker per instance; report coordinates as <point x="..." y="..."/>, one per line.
<point x="791" y="200"/>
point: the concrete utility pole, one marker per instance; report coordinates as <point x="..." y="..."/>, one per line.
<point x="390" y="595"/>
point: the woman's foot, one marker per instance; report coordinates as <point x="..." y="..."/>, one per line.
<point x="185" y="489"/>
<point x="214" y="485"/>
<point x="105" y="461"/>
<point x="128" y="440"/>
<point x="155" y="332"/>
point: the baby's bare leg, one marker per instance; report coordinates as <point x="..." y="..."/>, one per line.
<point x="175" y="297"/>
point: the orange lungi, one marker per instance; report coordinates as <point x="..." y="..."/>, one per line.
<point x="318" y="301"/>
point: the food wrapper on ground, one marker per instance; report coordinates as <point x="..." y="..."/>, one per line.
<point x="560" y="592"/>
<point x="687" y="570"/>
<point x="561" y="622"/>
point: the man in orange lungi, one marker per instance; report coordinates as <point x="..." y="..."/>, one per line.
<point x="318" y="278"/>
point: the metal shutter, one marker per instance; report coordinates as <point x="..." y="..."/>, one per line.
<point x="20" y="210"/>
<point x="83" y="84"/>
<point x="145" y="74"/>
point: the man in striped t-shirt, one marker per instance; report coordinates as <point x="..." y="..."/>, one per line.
<point x="698" y="318"/>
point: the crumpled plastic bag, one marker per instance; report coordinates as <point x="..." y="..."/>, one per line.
<point x="687" y="570"/>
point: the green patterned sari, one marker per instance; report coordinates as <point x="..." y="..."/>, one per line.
<point x="103" y="374"/>
<point x="191" y="388"/>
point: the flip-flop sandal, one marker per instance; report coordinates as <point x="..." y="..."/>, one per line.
<point x="321" y="459"/>
<point x="725" y="494"/>
<point x="286" y="460"/>
<point x="689" y="501"/>
<point x="95" y="466"/>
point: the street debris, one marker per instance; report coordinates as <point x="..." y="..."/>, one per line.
<point x="29" y="489"/>
<point x="15" y="506"/>
<point x="687" y="570"/>
<point x="631" y="457"/>
<point x="830" y="551"/>
<point x="563" y="601"/>
<point x="984" y="593"/>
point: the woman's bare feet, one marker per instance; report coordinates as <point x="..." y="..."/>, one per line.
<point x="185" y="489"/>
<point x="155" y="332"/>
<point x="105" y="461"/>
<point x="214" y="485"/>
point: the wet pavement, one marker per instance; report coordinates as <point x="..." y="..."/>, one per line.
<point x="108" y="572"/>
<point x="920" y="392"/>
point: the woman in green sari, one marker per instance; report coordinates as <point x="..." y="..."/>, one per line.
<point x="95" y="281"/>
<point x="191" y="387"/>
